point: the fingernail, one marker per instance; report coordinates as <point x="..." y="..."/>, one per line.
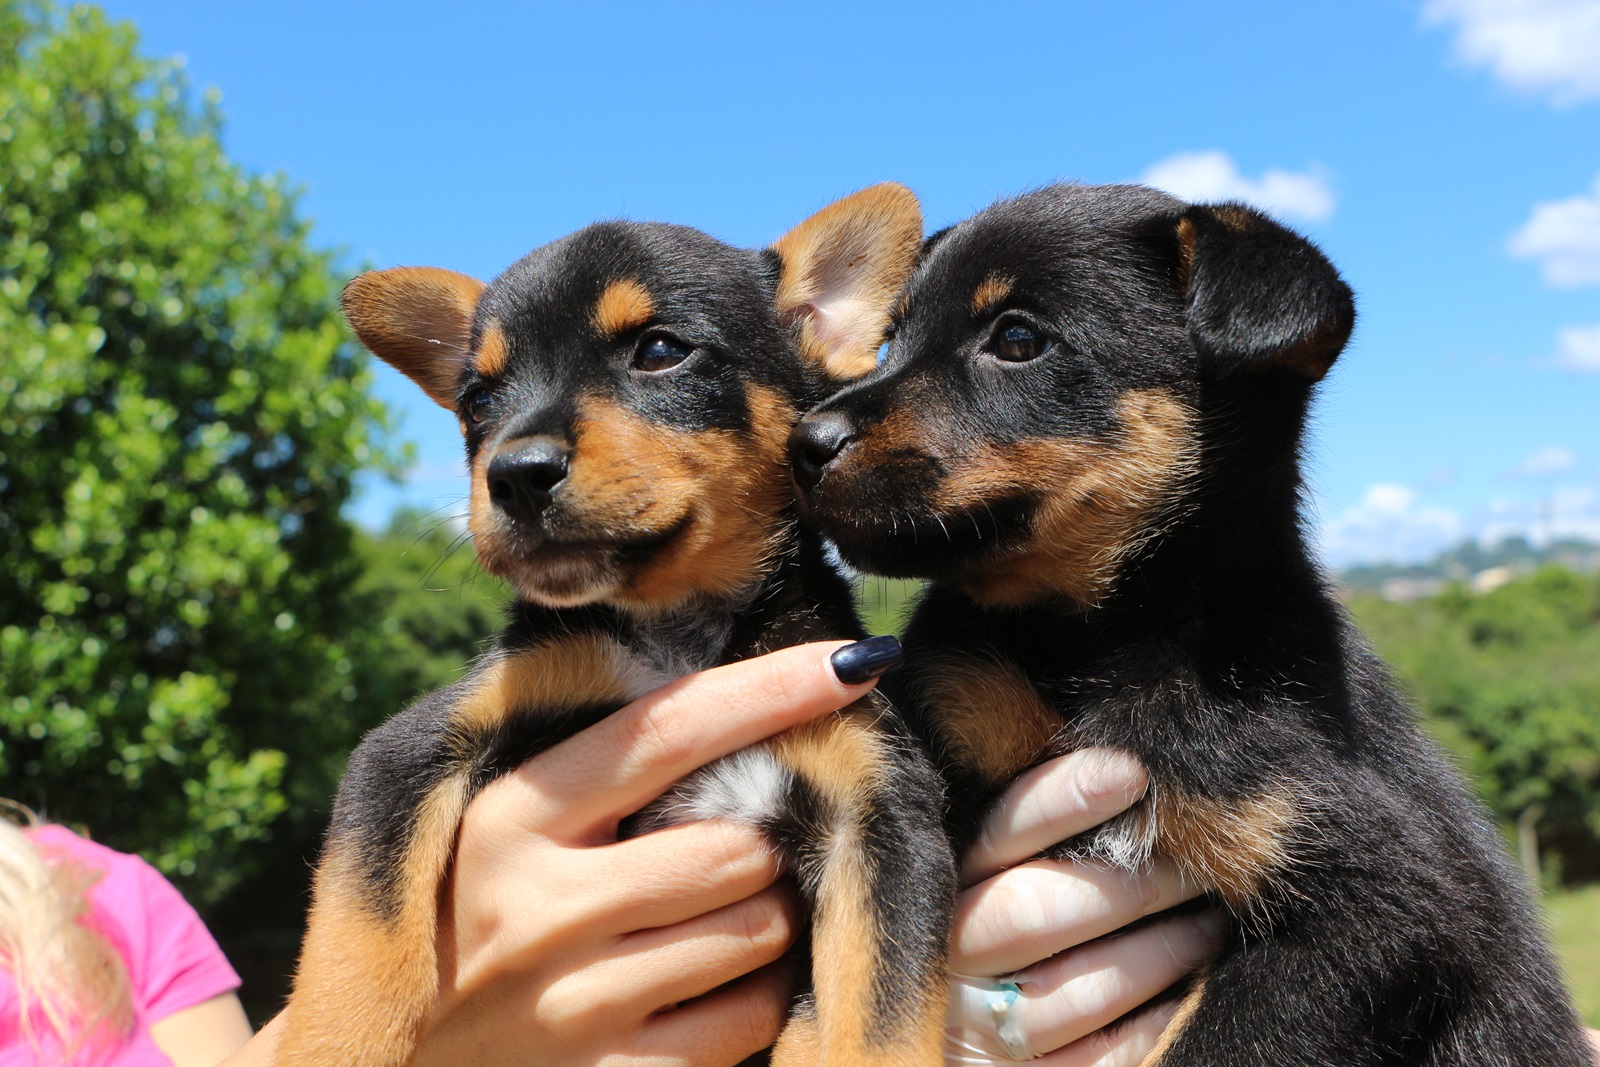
<point x="867" y="659"/>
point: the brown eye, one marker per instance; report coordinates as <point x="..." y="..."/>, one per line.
<point x="660" y="353"/>
<point x="480" y="405"/>
<point x="1016" y="342"/>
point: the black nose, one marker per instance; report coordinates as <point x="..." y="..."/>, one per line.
<point x="521" y="482"/>
<point x="813" y="444"/>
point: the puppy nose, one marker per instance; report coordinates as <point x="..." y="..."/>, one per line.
<point x="814" y="442"/>
<point x="521" y="482"/>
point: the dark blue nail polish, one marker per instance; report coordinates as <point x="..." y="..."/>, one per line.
<point x="867" y="659"/>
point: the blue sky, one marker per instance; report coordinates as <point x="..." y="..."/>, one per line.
<point x="1445" y="153"/>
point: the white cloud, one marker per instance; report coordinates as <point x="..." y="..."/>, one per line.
<point x="1569" y="511"/>
<point x="1556" y="459"/>
<point x="1537" y="46"/>
<point x="1388" y="526"/>
<point x="1579" y="349"/>
<point x="1392" y="525"/>
<point x="1564" y="236"/>
<point x="1389" y="500"/>
<point x="1206" y="177"/>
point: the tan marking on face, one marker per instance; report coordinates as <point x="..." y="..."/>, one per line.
<point x="842" y="758"/>
<point x="1101" y="500"/>
<point x="987" y="714"/>
<point x="624" y="305"/>
<point x="568" y="672"/>
<point x="741" y="496"/>
<point x="1233" y="847"/>
<point x="990" y="294"/>
<point x="487" y="538"/>
<point x="888" y="441"/>
<point x="493" y="352"/>
<point x="366" y="984"/>
<point x="721" y="495"/>
<point x="1186" y="1009"/>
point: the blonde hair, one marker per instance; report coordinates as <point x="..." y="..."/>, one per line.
<point x="65" y="971"/>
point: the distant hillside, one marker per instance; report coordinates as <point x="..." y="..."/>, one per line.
<point x="1482" y="568"/>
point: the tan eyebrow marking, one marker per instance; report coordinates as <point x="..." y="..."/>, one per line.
<point x="990" y="293"/>
<point x="624" y="305"/>
<point x="493" y="352"/>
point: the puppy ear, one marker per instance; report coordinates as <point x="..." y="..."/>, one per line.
<point x="841" y="271"/>
<point x="419" y="321"/>
<point x="1259" y="295"/>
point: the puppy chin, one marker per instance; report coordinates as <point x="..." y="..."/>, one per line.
<point x="567" y="584"/>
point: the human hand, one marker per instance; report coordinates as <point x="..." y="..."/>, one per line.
<point x="1025" y="980"/>
<point x="558" y="940"/>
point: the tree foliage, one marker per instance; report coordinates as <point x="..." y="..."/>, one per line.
<point x="1510" y="681"/>
<point x="433" y="606"/>
<point x="183" y="418"/>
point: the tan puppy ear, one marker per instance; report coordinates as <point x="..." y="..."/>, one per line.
<point x="419" y="321"/>
<point x="842" y="270"/>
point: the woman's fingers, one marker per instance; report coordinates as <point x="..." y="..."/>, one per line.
<point x="1035" y="911"/>
<point x="675" y="964"/>
<point x="587" y="895"/>
<point x="590" y="895"/>
<point x="1065" y="1002"/>
<point x="675" y="874"/>
<point x="1051" y="803"/>
<point x="1124" y="1045"/>
<point x="1073" y="995"/>
<point x="588" y="782"/>
<point x="723" y="1028"/>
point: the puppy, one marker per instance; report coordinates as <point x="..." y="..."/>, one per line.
<point x="1086" y="433"/>
<point x="625" y="395"/>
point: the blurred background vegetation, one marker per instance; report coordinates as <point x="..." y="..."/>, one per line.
<point x="193" y="635"/>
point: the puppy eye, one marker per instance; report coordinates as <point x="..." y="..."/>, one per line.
<point x="480" y="405"/>
<point x="1016" y="342"/>
<point x="659" y="352"/>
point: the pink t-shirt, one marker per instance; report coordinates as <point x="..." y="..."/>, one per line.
<point x="173" y="962"/>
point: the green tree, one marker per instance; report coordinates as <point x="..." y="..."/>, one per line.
<point x="1510" y="681"/>
<point x="182" y="420"/>
<point x="435" y="607"/>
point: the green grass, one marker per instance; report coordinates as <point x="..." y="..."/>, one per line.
<point x="1575" y="929"/>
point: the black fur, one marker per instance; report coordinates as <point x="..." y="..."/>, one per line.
<point x="1394" y="930"/>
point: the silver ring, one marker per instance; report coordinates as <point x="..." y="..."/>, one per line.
<point x="1007" y="1019"/>
<point x="989" y="1006"/>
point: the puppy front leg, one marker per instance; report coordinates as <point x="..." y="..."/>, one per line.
<point x="875" y="866"/>
<point x="1331" y="994"/>
<point x="368" y="972"/>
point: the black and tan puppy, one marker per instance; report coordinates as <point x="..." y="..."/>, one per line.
<point x="1086" y="432"/>
<point x="626" y="394"/>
